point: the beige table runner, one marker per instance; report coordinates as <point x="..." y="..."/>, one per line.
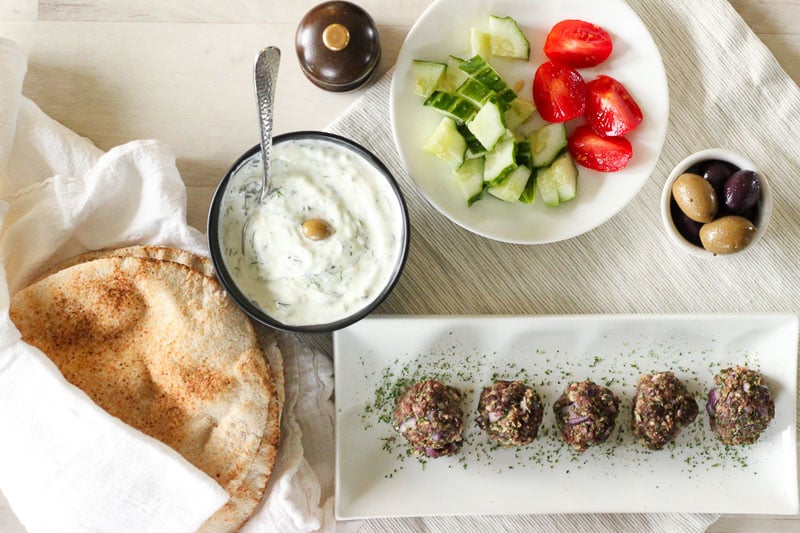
<point x="726" y="90"/>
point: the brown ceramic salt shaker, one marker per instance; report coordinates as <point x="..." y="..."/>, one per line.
<point x="338" y="46"/>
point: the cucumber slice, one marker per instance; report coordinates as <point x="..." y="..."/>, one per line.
<point x="477" y="68"/>
<point x="500" y="162"/>
<point x="565" y="174"/>
<point x="547" y="188"/>
<point x="528" y="196"/>
<point x="518" y="112"/>
<point x="506" y="39"/>
<point x="428" y="75"/>
<point x="470" y="179"/>
<point x="524" y="154"/>
<point x="512" y="187"/>
<point x="455" y="76"/>
<point x="487" y="125"/>
<point x="546" y="143"/>
<point x="474" y="146"/>
<point x="558" y="183"/>
<point x="480" y="42"/>
<point x="451" y="105"/>
<point x="475" y="91"/>
<point x="446" y="143"/>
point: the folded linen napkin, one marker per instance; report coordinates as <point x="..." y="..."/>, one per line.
<point x="67" y="465"/>
<point x="61" y="457"/>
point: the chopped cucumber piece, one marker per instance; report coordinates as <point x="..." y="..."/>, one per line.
<point x="506" y="39"/>
<point x="546" y="143"/>
<point x="512" y="187"/>
<point x="446" y="143"/>
<point x="558" y="183"/>
<point x="487" y="125"/>
<point x="524" y="154"/>
<point x="520" y="110"/>
<point x="500" y="162"/>
<point x="470" y="179"/>
<point x="428" y="75"/>
<point x="474" y="146"/>
<point x="480" y="42"/>
<point x="455" y="76"/>
<point x="566" y="177"/>
<point x="479" y="69"/>
<point x="475" y="91"/>
<point x="529" y="194"/>
<point x="547" y="188"/>
<point x="452" y="105"/>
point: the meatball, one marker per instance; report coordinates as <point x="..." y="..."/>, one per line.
<point x="510" y="412"/>
<point x="585" y="414"/>
<point x="429" y="416"/>
<point x="661" y="408"/>
<point x="740" y="406"/>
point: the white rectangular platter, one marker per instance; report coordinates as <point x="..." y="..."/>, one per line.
<point x="376" y="477"/>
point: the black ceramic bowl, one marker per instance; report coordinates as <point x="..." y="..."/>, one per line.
<point x="228" y="281"/>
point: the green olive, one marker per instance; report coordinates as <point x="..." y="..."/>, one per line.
<point x="316" y="229"/>
<point x="727" y="235"/>
<point x="695" y="197"/>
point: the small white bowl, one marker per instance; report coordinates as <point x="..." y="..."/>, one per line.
<point x="739" y="161"/>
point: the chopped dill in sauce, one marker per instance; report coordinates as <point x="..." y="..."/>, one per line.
<point x="300" y="280"/>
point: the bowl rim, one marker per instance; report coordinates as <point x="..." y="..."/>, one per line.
<point x="721" y="154"/>
<point x="227" y="281"/>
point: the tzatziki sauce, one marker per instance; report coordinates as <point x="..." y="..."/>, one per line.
<point x="325" y="241"/>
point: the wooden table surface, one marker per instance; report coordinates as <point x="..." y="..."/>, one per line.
<point x="180" y="71"/>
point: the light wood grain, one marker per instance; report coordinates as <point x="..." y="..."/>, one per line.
<point x="214" y="11"/>
<point x="19" y="10"/>
<point x="179" y="71"/>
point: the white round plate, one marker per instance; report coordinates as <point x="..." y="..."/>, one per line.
<point x="635" y="61"/>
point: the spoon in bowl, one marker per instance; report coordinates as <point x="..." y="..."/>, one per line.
<point x="265" y="77"/>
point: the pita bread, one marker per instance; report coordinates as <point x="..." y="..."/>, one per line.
<point x="201" y="264"/>
<point x="165" y="253"/>
<point x="160" y="346"/>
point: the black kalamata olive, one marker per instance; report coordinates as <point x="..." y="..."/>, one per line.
<point x="742" y="191"/>
<point x="717" y="173"/>
<point x="688" y="228"/>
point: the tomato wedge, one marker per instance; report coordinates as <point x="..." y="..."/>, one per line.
<point x="610" y="109"/>
<point x="606" y="154"/>
<point x="559" y="92"/>
<point x="578" y="44"/>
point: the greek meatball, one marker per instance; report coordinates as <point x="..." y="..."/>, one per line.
<point x="429" y="416"/>
<point x="585" y="414"/>
<point x="510" y="412"/>
<point x="661" y="408"/>
<point x="740" y="406"/>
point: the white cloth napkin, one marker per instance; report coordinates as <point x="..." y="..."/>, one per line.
<point x="62" y="458"/>
<point x="65" y="464"/>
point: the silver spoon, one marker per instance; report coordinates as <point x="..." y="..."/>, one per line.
<point x="265" y="77"/>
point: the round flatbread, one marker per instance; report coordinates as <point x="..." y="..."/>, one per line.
<point x="201" y="264"/>
<point x="165" y="253"/>
<point x="160" y="346"/>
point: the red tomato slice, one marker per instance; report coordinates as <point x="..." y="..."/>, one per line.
<point x="606" y="154"/>
<point x="610" y="109"/>
<point x="578" y="44"/>
<point x="559" y="92"/>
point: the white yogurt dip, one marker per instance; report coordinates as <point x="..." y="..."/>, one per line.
<point x="292" y="278"/>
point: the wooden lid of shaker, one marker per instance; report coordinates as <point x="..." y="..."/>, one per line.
<point x="338" y="46"/>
